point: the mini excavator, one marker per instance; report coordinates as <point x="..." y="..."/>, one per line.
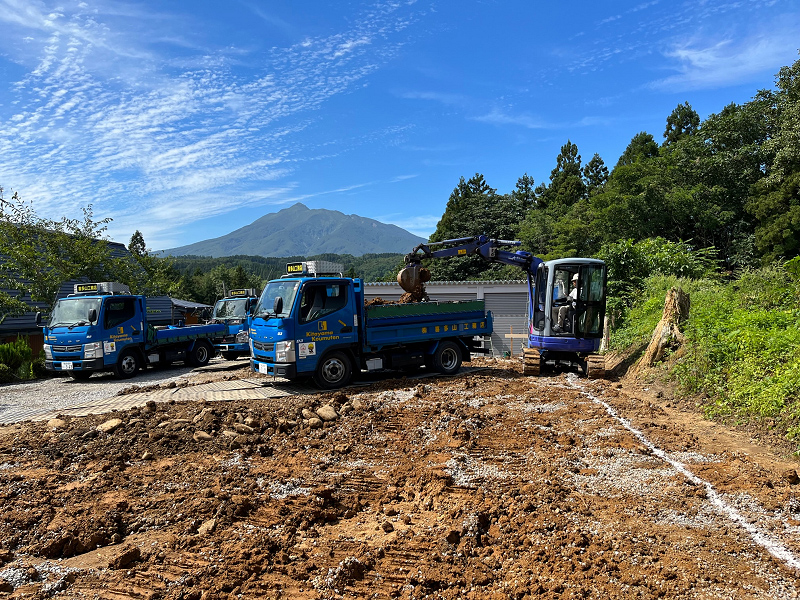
<point x="566" y="300"/>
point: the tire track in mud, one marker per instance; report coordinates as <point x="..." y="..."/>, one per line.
<point x="769" y="543"/>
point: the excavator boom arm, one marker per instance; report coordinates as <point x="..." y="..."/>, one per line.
<point x="491" y="250"/>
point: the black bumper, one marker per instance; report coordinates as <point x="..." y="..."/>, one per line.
<point x="287" y="370"/>
<point x="93" y="364"/>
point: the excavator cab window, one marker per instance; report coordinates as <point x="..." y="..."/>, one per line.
<point x="539" y="294"/>
<point x="591" y="305"/>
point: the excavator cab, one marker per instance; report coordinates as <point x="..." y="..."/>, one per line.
<point x="568" y="304"/>
<point x="569" y="299"/>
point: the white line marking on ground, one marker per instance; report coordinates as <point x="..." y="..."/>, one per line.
<point x="774" y="547"/>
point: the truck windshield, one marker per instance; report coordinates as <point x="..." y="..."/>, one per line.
<point x="73" y="311"/>
<point x="286" y="290"/>
<point x="231" y="309"/>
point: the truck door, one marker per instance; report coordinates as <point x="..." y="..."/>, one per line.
<point x="122" y="326"/>
<point x="591" y="305"/>
<point x="325" y="320"/>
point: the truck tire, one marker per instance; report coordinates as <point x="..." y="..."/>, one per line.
<point x="200" y="354"/>
<point x="447" y="358"/>
<point x="333" y="371"/>
<point x="230" y="355"/>
<point x="127" y="365"/>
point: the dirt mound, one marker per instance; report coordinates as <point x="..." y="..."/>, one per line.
<point x="485" y="485"/>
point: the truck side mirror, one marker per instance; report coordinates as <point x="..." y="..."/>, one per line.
<point x="38" y="319"/>
<point x="277" y="306"/>
<point x="92" y="315"/>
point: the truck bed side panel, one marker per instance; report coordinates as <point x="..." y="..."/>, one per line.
<point x="412" y="323"/>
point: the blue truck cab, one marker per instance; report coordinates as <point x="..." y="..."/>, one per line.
<point x="314" y="323"/>
<point x="102" y="327"/>
<point x="235" y="311"/>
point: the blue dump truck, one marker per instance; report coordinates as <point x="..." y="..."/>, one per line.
<point x="234" y="311"/>
<point x="102" y="327"/>
<point x="314" y="323"/>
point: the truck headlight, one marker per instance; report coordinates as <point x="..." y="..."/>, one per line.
<point x="284" y="352"/>
<point x="93" y="350"/>
<point x="242" y="337"/>
<point x="48" y="351"/>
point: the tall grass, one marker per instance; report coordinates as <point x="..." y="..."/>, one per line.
<point x="743" y="342"/>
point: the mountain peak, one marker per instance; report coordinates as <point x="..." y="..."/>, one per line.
<point x="301" y="231"/>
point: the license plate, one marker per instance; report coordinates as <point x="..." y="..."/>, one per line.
<point x="67" y="366"/>
<point x="262" y="368"/>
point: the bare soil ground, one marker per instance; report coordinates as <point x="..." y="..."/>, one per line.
<point x="485" y="485"/>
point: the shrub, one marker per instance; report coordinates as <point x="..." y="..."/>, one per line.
<point x="6" y="374"/>
<point x="15" y="354"/>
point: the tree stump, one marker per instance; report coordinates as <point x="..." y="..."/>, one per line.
<point x="667" y="333"/>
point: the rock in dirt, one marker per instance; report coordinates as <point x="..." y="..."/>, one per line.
<point x="56" y="424"/>
<point x="315" y="423"/>
<point x="327" y="413"/>
<point x="202" y="436"/>
<point x="207" y="527"/>
<point x="109" y="426"/>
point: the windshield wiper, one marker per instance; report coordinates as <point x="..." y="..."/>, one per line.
<point x="266" y="314"/>
<point x="79" y="323"/>
<point x="61" y="325"/>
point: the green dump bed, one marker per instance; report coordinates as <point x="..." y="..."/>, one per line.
<point x="390" y="324"/>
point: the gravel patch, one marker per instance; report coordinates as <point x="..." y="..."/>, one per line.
<point x="57" y="393"/>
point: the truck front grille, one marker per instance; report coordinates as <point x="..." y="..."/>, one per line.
<point x="67" y="348"/>
<point x="268" y="347"/>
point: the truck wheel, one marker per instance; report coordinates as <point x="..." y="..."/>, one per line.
<point x="333" y="371"/>
<point x="200" y="354"/>
<point x="447" y="358"/>
<point x="127" y="365"/>
<point x="230" y="355"/>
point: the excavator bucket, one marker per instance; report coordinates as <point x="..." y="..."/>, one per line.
<point x="413" y="276"/>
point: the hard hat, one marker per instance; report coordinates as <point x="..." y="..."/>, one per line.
<point x="575" y="277"/>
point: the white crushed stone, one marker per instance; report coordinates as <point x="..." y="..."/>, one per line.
<point x="722" y="504"/>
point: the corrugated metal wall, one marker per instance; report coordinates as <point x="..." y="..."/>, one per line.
<point x="510" y="315"/>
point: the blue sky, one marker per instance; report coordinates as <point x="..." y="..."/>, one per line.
<point x="187" y="120"/>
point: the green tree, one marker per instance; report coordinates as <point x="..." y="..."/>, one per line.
<point x="682" y="121"/>
<point x="474" y="208"/>
<point x="148" y="274"/>
<point x="41" y="254"/>
<point x="566" y="181"/>
<point x="525" y="193"/>
<point x="595" y="175"/>
<point x="776" y="199"/>
<point x="641" y="147"/>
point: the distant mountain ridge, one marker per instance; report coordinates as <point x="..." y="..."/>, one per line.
<point x="301" y="231"/>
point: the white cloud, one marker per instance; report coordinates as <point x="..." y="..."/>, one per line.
<point x="729" y="61"/>
<point x="105" y="115"/>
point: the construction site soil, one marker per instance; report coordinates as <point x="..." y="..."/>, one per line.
<point x="489" y="484"/>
